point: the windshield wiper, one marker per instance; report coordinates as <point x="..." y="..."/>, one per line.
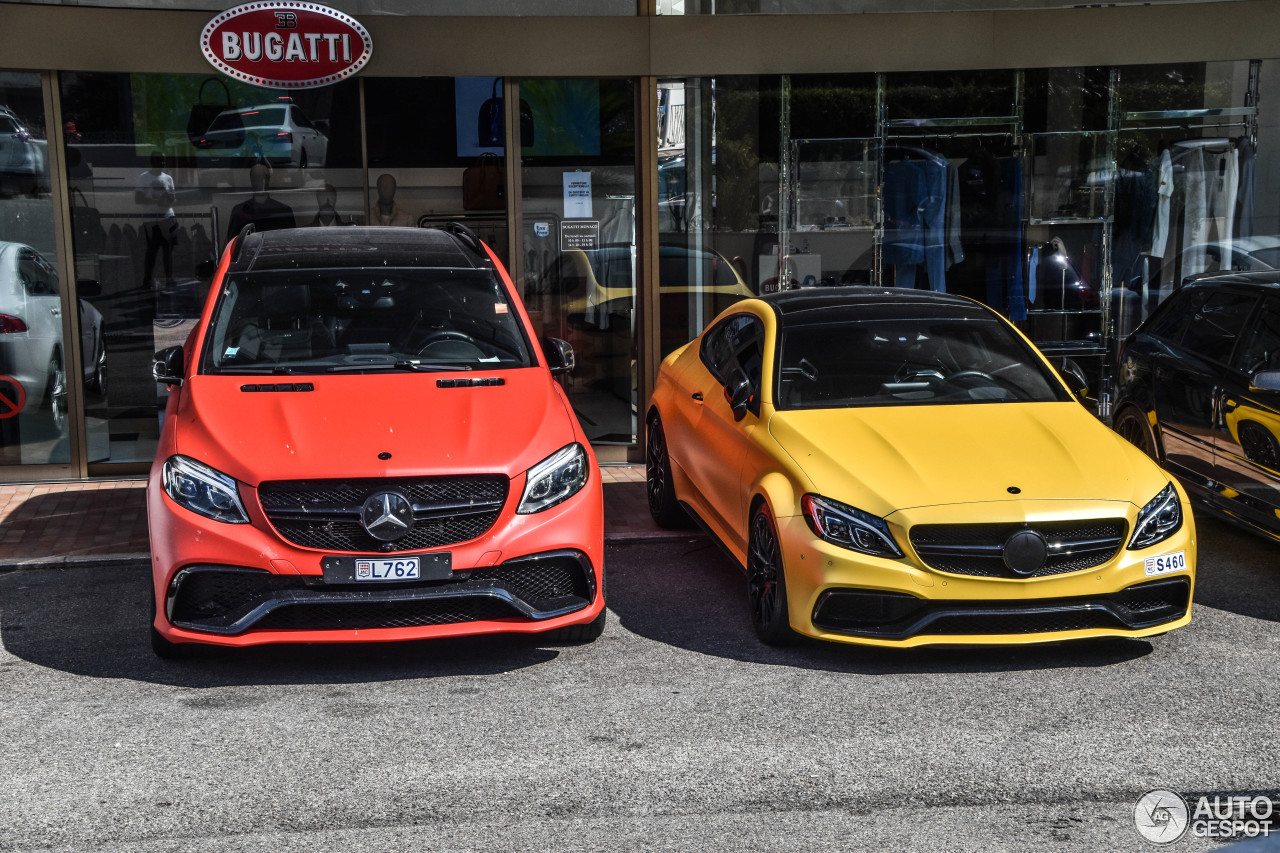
<point x="415" y="366"/>
<point x="273" y="369"/>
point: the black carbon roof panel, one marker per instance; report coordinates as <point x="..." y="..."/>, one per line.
<point x="329" y="248"/>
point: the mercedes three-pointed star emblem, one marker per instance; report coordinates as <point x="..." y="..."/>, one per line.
<point x="387" y="516"/>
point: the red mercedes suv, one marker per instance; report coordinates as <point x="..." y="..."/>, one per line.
<point x="364" y="441"/>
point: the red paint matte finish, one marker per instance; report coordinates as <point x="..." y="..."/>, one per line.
<point x="338" y="431"/>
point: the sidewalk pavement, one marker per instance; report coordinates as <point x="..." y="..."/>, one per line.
<point x="55" y="524"/>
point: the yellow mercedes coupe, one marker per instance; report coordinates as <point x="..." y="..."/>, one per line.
<point x="901" y="468"/>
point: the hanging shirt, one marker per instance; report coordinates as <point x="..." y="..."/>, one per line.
<point x="1222" y="182"/>
<point x="1164" y="198"/>
<point x="1247" y="152"/>
<point x="955" y="250"/>
<point x="904" y="187"/>
<point x="1195" y="224"/>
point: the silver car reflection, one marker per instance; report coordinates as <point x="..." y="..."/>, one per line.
<point x="31" y="350"/>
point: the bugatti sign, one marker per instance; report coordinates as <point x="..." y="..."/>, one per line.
<point x="286" y="44"/>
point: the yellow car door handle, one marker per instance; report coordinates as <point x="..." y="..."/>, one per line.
<point x="697" y="395"/>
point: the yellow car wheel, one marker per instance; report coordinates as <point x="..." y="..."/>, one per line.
<point x="766" y="581"/>
<point x="663" y="506"/>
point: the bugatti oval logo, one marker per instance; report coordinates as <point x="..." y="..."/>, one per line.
<point x="286" y="44"/>
<point x="387" y="516"/>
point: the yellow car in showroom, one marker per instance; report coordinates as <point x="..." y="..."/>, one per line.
<point x="902" y="468"/>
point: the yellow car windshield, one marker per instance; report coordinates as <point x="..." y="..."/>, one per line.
<point x="888" y="360"/>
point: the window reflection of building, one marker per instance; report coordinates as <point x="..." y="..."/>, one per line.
<point x="784" y="174"/>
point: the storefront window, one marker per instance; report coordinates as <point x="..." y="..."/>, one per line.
<point x="162" y="171"/>
<point x="719" y="206"/>
<point x="437" y="154"/>
<point x="1186" y="188"/>
<point x="35" y="366"/>
<point x="579" y="188"/>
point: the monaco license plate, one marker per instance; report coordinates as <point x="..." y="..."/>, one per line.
<point x="406" y="569"/>
<point x="387" y="569"/>
<point x="1165" y="563"/>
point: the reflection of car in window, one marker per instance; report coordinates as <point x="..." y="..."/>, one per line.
<point x="31" y="350"/>
<point x="23" y="159"/>
<point x="365" y="441"/>
<point x="279" y="134"/>
<point x="594" y="290"/>
<point x="1199" y="390"/>
<point x="898" y="468"/>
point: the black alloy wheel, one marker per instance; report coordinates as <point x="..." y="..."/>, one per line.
<point x="766" y="581"/>
<point x="663" y="506"/>
<point x="1133" y="428"/>
<point x="55" y="400"/>
<point x="98" y="382"/>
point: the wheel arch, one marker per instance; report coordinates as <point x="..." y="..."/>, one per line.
<point x="1147" y="416"/>
<point x="777" y="490"/>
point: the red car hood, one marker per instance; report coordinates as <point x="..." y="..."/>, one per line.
<point x="339" y="429"/>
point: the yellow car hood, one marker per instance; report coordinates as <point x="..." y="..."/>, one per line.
<point x="888" y="458"/>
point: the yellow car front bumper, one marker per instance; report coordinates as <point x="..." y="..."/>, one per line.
<point x="837" y="594"/>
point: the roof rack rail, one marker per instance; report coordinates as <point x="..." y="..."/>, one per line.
<point x="465" y="234"/>
<point x="244" y="232"/>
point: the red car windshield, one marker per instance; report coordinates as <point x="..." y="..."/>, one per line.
<point x="366" y="319"/>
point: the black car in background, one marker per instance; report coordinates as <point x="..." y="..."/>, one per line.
<point x="1199" y="390"/>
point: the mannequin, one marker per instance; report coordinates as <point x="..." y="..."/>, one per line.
<point x="261" y="209"/>
<point x="385" y="211"/>
<point x="326" y="209"/>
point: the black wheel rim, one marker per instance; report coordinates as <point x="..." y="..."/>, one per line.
<point x="58" y="395"/>
<point x="764" y="569"/>
<point x="655" y="467"/>
<point x="1131" y="431"/>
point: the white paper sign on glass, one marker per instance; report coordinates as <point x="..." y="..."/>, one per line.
<point x="577" y="195"/>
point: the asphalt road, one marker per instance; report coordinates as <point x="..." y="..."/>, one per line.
<point x="676" y="730"/>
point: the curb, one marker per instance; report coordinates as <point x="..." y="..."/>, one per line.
<point x="72" y="561"/>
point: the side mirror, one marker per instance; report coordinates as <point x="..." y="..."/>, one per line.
<point x="737" y="393"/>
<point x="1074" y="377"/>
<point x="559" y="355"/>
<point x="167" y="366"/>
<point x="1266" y="380"/>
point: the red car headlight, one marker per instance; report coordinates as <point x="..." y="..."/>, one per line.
<point x="554" y="480"/>
<point x="203" y="490"/>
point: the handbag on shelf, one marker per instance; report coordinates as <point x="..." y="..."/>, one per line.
<point x="202" y="115"/>
<point x="482" y="185"/>
<point x="491" y="121"/>
<point x="86" y="225"/>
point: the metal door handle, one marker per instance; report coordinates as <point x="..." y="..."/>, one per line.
<point x="697" y="395"/>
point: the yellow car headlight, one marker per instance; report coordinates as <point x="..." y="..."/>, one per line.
<point x="1158" y="520"/>
<point x="849" y="527"/>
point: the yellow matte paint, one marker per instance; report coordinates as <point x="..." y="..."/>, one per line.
<point x="944" y="464"/>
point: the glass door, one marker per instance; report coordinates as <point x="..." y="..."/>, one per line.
<point x="578" y="189"/>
